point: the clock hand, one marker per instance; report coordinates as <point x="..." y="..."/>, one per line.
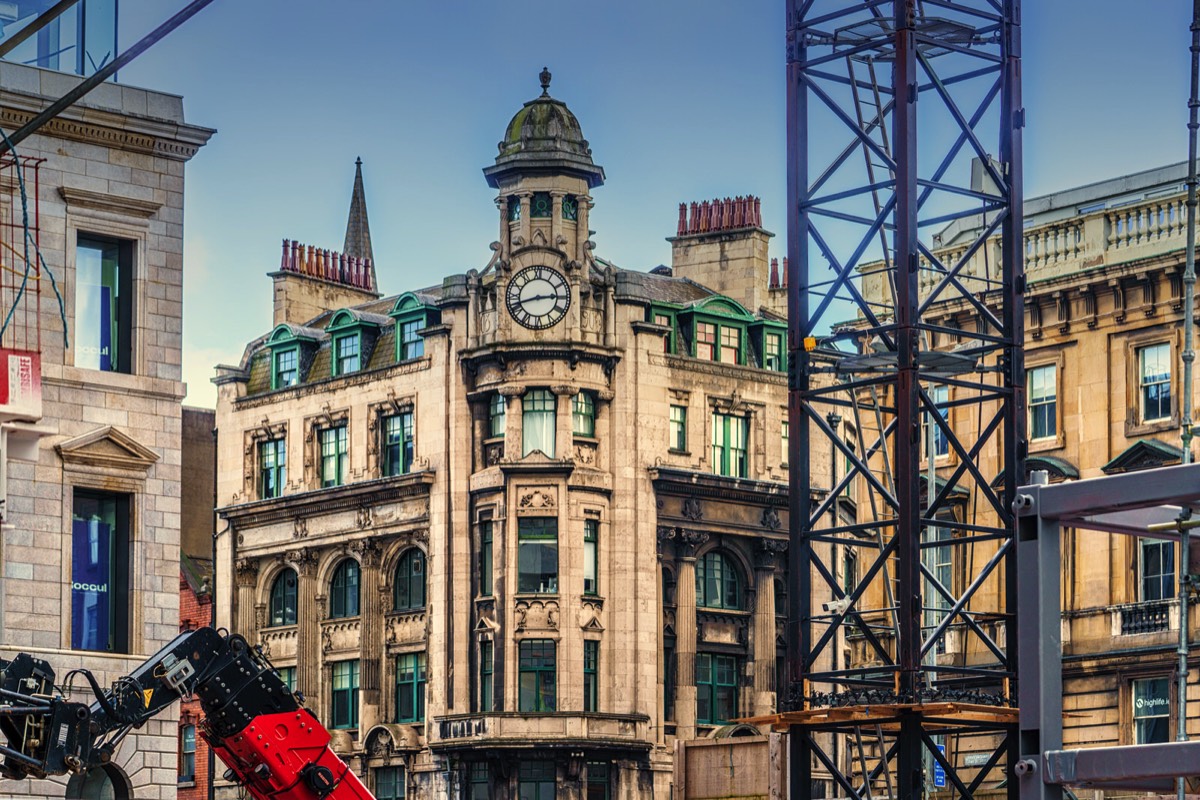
<point x="538" y="297"/>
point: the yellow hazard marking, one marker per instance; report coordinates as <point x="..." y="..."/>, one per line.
<point x="148" y="693"/>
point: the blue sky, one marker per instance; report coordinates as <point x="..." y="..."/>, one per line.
<point x="680" y="100"/>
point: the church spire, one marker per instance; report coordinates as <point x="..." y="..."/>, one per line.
<point x="358" y="229"/>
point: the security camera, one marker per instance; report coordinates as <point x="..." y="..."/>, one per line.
<point x="838" y="606"/>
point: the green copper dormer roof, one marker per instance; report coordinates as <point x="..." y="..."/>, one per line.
<point x="286" y="333"/>
<point x="353" y="318"/>
<point x="544" y="137"/>
<point x="724" y="306"/>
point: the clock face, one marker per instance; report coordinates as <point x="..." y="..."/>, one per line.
<point x="538" y="297"/>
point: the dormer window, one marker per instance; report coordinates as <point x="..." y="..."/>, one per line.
<point x="570" y="208"/>
<point x="291" y="348"/>
<point x="347" y="354"/>
<point x="718" y="328"/>
<point x="411" y="344"/>
<point x="412" y="316"/>
<point x="540" y="206"/>
<point x="352" y="335"/>
<point x="768" y="338"/>
<point x="287" y="368"/>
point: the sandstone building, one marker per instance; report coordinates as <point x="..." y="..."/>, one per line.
<point x="1103" y="340"/>
<point x="90" y="548"/>
<point x="514" y="533"/>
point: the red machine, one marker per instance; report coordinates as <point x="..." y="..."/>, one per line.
<point x="274" y="746"/>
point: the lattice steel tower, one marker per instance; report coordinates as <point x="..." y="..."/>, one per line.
<point x="905" y="298"/>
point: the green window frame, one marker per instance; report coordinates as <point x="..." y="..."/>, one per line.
<point x="591" y="663"/>
<point x="408" y="582"/>
<point x="397" y="444"/>
<point x="537" y="555"/>
<point x="716" y="688"/>
<point x="335" y="456"/>
<point x="288" y="676"/>
<point x="390" y="783"/>
<point x="773" y="353"/>
<point x="347" y="354"/>
<point x="537" y="676"/>
<point x="485" y="558"/>
<point x="410" y="687"/>
<point x="570" y="208"/>
<point x="729" y="445"/>
<point x="344" y="590"/>
<point x="480" y="781"/>
<point x="411" y="344"/>
<point x="539" y="417"/>
<point x="720" y="341"/>
<point x="344" y="698"/>
<point x="272" y="468"/>
<point x="598" y="786"/>
<point x="541" y="205"/>
<point x="785" y="434"/>
<point x="730" y="351"/>
<point x="497" y="415"/>
<point x="718" y="581"/>
<point x="284" y="598"/>
<point x="285" y="368"/>
<point x="591" y="556"/>
<point x="537" y="780"/>
<point x="487" y="668"/>
<point x="583" y="414"/>
<point x="678" y="429"/>
<point x="666" y="318"/>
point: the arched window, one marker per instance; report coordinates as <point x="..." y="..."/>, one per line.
<point x="343" y="590"/>
<point x="408" y="589"/>
<point x="283" y="598"/>
<point x="718" y="583"/>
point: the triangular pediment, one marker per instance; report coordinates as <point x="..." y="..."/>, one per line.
<point x="593" y="625"/>
<point x="107" y="447"/>
<point x="1144" y="454"/>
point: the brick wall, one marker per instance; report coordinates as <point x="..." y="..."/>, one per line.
<point x="195" y="611"/>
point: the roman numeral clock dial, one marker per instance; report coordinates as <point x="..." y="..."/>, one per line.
<point x="538" y="297"/>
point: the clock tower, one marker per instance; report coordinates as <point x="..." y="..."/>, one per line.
<point x="544" y="173"/>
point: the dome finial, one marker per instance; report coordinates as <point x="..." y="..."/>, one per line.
<point x="544" y="76"/>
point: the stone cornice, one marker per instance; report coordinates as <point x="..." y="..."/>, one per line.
<point x="350" y="497"/>
<point x="516" y="351"/>
<point x="717" y="368"/>
<point x="690" y="483"/>
<point x="107" y="128"/>
<point x="101" y="201"/>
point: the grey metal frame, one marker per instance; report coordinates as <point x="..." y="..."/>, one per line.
<point x="1129" y="504"/>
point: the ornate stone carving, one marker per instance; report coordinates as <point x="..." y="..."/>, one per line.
<point x="769" y="552"/>
<point x="368" y="551"/>
<point x="537" y="499"/>
<point x="493" y="453"/>
<point x="537" y="615"/>
<point x="380" y="744"/>
<point x="305" y="560"/>
<point x="247" y="571"/>
<point x="770" y="519"/>
<point x="585" y="454"/>
<point x="300" y="528"/>
<point x="363" y="517"/>
<point x="692" y="509"/>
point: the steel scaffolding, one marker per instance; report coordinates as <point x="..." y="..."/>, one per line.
<point x="904" y="121"/>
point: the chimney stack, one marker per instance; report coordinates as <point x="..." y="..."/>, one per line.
<point x="722" y="245"/>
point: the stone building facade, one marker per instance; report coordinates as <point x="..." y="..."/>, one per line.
<point x="90" y="548"/>
<point x="1104" y="317"/>
<point x="515" y="533"/>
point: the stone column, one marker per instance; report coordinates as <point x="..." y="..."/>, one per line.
<point x="370" y="632"/>
<point x="583" y="204"/>
<point x="564" y="444"/>
<point x="505" y="225"/>
<point x="512" y="420"/>
<point x="247" y="585"/>
<point x="525" y="226"/>
<point x="308" y="617"/>
<point x="764" y="689"/>
<point x="556" y="201"/>
<point x="686" y="542"/>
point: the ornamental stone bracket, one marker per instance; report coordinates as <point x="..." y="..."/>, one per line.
<point x="685" y="539"/>
<point x="533" y="615"/>
<point x="770" y="551"/>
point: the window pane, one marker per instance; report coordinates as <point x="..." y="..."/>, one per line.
<point x="731" y="344"/>
<point x="1043" y="402"/>
<point x="538" y="422"/>
<point x="706" y="340"/>
<point x="1151" y="710"/>
<point x="485" y="558"/>
<point x="347" y="354"/>
<point x="411" y="344"/>
<point x="591" y="567"/>
<point x="1154" y="378"/>
<point x="537" y="555"/>
<point x="678" y="428"/>
<point x="287" y="371"/>
<point x="497" y="411"/>
<point x="101" y="315"/>
<point x="99" y="572"/>
<point x="540" y="205"/>
<point x="583" y="414"/>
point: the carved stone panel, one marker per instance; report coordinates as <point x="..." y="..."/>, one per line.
<point x="405" y="628"/>
<point x="340" y="636"/>
<point x="537" y="615"/>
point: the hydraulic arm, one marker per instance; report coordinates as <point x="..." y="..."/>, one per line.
<point x="272" y="745"/>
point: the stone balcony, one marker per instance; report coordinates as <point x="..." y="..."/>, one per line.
<point x="1093" y="237"/>
<point x="555" y="730"/>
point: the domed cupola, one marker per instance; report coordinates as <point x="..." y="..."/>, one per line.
<point x="544" y="138"/>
